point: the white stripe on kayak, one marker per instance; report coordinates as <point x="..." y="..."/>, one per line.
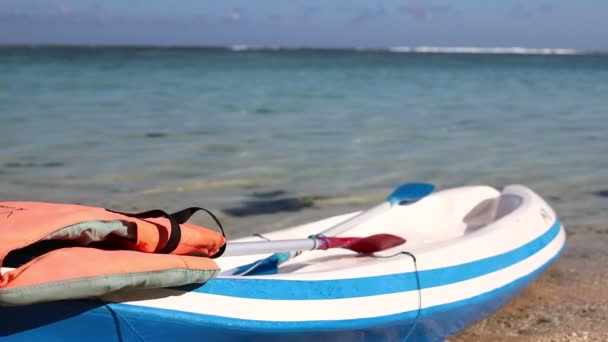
<point x="347" y="308"/>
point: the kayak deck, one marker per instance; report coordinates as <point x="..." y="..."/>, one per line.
<point x="418" y="224"/>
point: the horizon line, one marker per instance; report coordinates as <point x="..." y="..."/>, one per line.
<point x="394" y="49"/>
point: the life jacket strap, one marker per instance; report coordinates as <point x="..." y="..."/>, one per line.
<point x="175" y="219"/>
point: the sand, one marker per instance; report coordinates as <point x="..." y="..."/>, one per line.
<point x="569" y="302"/>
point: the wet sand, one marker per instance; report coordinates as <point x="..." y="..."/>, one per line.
<point x="569" y="302"/>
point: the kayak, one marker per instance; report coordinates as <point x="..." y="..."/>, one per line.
<point x="469" y="250"/>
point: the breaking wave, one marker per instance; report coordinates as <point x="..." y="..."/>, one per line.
<point x="423" y="49"/>
<point x="484" y="50"/>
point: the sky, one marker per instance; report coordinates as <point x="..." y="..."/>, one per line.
<point x="580" y="24"/>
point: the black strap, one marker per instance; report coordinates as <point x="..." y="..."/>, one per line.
<point x="184" y="215"/>
<point x="175" y="219"/>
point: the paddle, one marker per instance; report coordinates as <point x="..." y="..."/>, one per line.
<point x="404" y="194"/>
<point x="364" y="245"/>
<point x="270" y="265"/>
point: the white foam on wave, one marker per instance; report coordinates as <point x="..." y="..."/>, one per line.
<point x="239" y="47"/>
<point x="243" y="47"/>
<point x="425" y="49"/>
<point x="484" y="50"/>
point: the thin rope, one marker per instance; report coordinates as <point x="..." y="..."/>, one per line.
<point x="117" y="318"/>
<point x="324" y="238"/>
<point x="417" y="284"/>
<point x="419" y="295"/>
<point x="261" y="237"/>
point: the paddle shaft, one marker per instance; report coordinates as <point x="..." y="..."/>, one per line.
<point x="275" y="246"/>
<point x="364" y="245"/>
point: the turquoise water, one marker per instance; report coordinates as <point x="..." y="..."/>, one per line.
<point x="270" y="138"/>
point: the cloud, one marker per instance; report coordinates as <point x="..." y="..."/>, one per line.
<point x="424" y="11"/>
<point x="520" y="10"/>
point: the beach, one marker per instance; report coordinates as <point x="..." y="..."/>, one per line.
<point x="272" y="139"/>
<point x="567" y="303"/>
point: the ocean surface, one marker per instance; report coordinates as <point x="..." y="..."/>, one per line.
<point x="271" y="138"/>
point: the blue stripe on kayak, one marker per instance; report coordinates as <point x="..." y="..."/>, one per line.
<point x="439" y="321"/>
<point x="376" y="285"/>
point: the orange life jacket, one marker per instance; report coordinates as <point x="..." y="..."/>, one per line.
<point x="78" y="251"/>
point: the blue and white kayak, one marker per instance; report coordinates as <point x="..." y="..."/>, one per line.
<point x="469" y="250"/>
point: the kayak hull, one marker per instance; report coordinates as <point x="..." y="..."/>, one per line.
<point x="428" y="295"/>
<point x="118" y="322"/>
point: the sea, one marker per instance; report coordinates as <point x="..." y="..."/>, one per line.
<point x="268" y="138"/>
